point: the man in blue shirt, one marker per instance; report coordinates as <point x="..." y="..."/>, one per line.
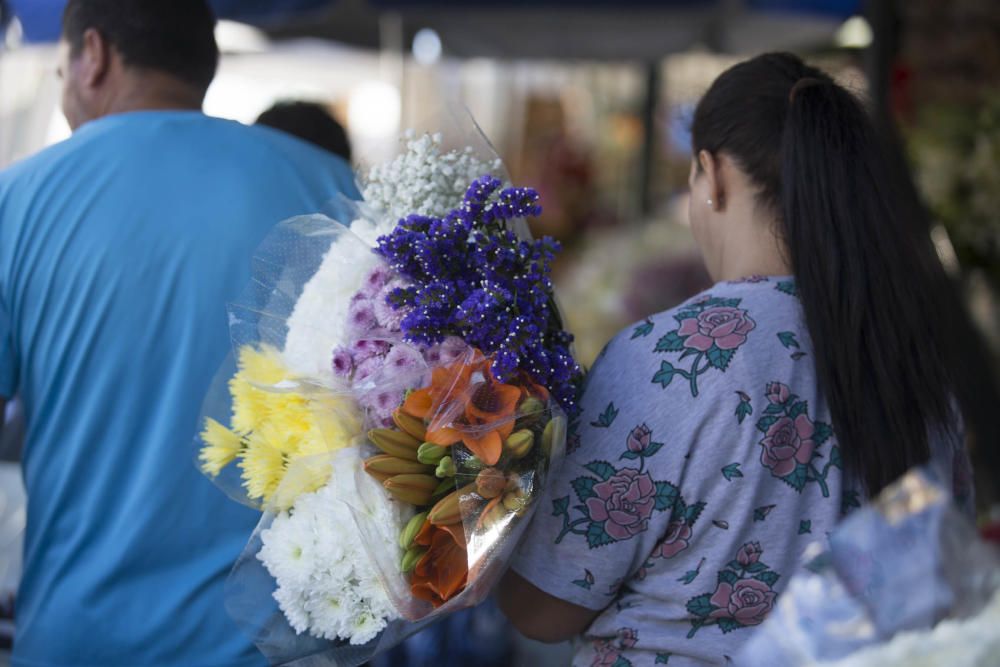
<point x="119" y="249"/>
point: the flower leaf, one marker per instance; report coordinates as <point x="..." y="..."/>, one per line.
<point x="821" y="433"/>
<point x="797" y="478"/>
<point x="672" y="342"/>
<point x="760" y="513"/>
<point x="602" y="469"/>
<point x="643" y="330"/>
<point x="798" y="408"/>
<point x="769" y="578"/>
<point x="606" y="418"/>
<point x="764" y="423"/>
<point x="805" y="526"/>
<point x="849" y="500"/>
<point x="743" y="410"/>
<point x="797" y="355"/>
<point x="662" y="658"/>
<point x="631" y="456"/>
<point x="665" y="374"/>
<point x="584" y="488"/>
<point x="787" y="339"/>
<point x="597" y="536"/>
<point x="652" y="449"/>
<point x="560" y="506"/>
<point x="689" y="576"/>
<point x="754" y="568"/>
<point x="731" y="472"/>
<point x="719" y="358"/>
<point x="774" y="409"/>
<point x="692" y="513"/>
<point x="666" y="496"/>
<point x="701" y="605"/>
<point x="788" y="287"/>
<point x="729" y="577"/>
<point x="729" y="624"/>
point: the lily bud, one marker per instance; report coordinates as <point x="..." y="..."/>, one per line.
<point x="490" y="482"/>
<point x="392" y="465"/>
<point x="448" y="510"/>
<point x="519" y="444"/>
<point x="430" y="453"/>
<point x="445" y="468"/>
<point x="516" y="502"/>
<point x="554" y="431"/>
<point x="411" y="558"/>
<point x="395" y="443"/>
<point x="413" y="527"/>
<point x="413" y="426"/>
<point x="413" y="489"/>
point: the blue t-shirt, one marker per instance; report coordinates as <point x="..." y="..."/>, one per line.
<point x="119" y="250"/>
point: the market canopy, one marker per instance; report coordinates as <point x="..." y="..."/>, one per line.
<point x="601" y="29"/>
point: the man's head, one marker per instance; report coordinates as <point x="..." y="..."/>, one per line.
<point x="122" y="54"/>
<point x="309" y="121"/>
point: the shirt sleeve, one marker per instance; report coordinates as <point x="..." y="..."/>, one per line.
<point x="603" y="510"/>
<point x="8" y="359"/>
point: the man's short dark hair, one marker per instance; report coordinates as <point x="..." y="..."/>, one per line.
<point x="172" y="36"/>
<point x="309" y="121"/>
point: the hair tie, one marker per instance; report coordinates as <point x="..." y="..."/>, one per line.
<point x="804" y="82"/>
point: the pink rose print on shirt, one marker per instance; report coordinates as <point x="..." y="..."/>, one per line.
<point x="788" y="444"/>
<point x="748" y="602"/>
<point x="616" y="504"/>
<point x="743" y="596"/>
<point x="608" y="652"/>
<point x="720" y="326"/>
<point x="624" y="502"/>
<point x="775" y="392"/>
<point x="675" y="541"/>
<point x="791" y="442"/>
<point x="710" y="330"/>
<point x="749" y="554"/>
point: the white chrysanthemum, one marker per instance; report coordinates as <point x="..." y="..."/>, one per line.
<point x="289" y="551"/>
<point x="320" y="555"/>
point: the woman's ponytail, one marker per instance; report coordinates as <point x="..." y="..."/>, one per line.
<point x="866" y="283"/>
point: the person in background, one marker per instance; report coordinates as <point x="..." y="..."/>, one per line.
<point x="720" y="438"/>
<point x="119" y="250"/>
<point x="310" y="122"/>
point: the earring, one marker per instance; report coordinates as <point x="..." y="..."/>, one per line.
<point x="709" y="202"/>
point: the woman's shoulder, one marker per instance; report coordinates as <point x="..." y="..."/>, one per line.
<point x="714" y="323"/>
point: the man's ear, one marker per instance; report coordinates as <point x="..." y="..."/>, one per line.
<point x="94" y="59"/>
<point x="712" y="169"/>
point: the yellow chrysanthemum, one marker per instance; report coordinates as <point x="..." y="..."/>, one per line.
<point x="263" y="467"/>
<point x="276" y="426"/>
<point x="304" y="475"/>
<point x="221" y="447"/>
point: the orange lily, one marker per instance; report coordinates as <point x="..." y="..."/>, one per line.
<point x="443" y="572"/>
<point x="490" y="413"/>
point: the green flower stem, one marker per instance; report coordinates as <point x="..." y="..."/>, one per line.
<point x="571" y="527"/>
<point x="821" y="479"/>
<point x="695" y="626"/>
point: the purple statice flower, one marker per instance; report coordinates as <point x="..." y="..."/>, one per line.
<point x="375" y="280"/>
<point x="432" y="355"/>
<point x="469" y="277"/>
<point x="361" y="316"/>
<point x="366" y="348"/>
<point x="343" y="362"/>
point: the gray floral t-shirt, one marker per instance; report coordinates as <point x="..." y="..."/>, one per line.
<point x="702" y="466"/>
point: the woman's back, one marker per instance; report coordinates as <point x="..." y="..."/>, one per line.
<point x="701" y="468"/>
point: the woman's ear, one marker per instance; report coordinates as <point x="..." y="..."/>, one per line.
<point x="711" y="167"/>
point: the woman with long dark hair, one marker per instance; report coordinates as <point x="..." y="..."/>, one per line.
<point x="720" y="438"/>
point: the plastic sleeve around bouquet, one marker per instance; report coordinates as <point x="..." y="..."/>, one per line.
<point x="360" y="564"/>
<point x="902" y="579"/>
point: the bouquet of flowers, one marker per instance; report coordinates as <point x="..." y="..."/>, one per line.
<point x="401" y="387"/>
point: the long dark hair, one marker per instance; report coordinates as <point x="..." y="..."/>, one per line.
<point x="869" y="285"/>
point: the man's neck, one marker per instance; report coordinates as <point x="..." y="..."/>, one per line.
<point x="148" y="91"/>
